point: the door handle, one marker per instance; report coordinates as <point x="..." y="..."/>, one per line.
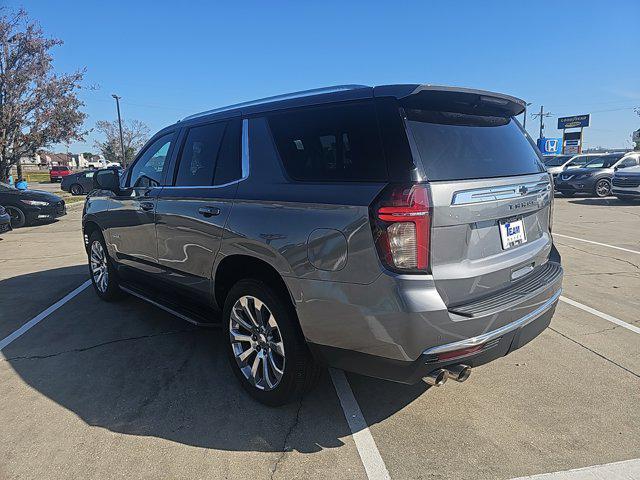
<point x="209" y="211"/>
<point x="146" y="206"/>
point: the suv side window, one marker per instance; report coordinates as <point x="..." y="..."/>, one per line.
<point x="334" y="143"/>
<point x="629" y="162"/>
<point x="199" y="153"/>
<point x="149" y="170"/>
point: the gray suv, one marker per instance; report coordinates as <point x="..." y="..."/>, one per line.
<point x="398" y="231"/>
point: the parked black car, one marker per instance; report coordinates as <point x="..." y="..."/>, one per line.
<point x="5" y="220"/>
<point x="595" y="177"/>
<point x="29" y="206"/>
<point x="78" y="183"/>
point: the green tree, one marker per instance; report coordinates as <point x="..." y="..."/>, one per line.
<point x="38" y="107"/>
<point x="134" y="134"/>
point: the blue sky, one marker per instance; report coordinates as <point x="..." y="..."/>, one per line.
<point x="168" y="60"/>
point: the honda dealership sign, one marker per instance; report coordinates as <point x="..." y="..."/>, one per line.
<point x="550" y="146"/>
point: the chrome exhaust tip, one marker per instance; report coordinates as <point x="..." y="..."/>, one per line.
<point x="436" y="378"/>
<point x="459" y="373"/>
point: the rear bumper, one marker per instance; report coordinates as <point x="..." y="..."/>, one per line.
<point x="400" y="329"/>
<point x="498" y="343"/>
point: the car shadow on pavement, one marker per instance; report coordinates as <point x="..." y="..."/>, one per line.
<point x="133" y="369"/>
<point x="603" y="201"/>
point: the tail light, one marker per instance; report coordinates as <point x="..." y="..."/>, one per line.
<point x="401" y="223"/>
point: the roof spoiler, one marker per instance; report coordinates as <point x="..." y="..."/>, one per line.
<point x="457" y="99"/>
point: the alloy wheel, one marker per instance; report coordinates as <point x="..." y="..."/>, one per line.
<point x="603" y="188"/>
<point x="16" y="217"/>
<point x="99" y="268"/>
<point x="257" y="343"/>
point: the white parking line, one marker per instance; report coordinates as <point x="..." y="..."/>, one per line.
<point x="627" y="470"/>
<point x="366" y="445"/>
<point x="600" y="314"/>
<point x="42" y="315"/>
<point x="597" y="243"/>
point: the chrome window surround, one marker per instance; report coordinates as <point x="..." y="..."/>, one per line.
<point x="486" y="337"/>
<point x="245" y="163"/>
<point x="506" y="192"/>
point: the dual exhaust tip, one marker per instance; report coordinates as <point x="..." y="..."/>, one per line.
<point x="458" y="373"/>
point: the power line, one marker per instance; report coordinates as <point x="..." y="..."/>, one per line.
<point x="542" y="115"/>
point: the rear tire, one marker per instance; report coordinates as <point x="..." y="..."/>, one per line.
<point x="76" y="189"/>
<point x="602" y="188"/>
<point x="265" y="347"/>
<point x="104" y="276"/>
<point x="18" y="218"/>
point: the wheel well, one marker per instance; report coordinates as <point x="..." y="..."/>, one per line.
<point x="236" y="267"/>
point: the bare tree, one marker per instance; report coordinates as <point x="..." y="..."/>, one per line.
<point x="38" y="107"/>
<point x="135" y="134"/>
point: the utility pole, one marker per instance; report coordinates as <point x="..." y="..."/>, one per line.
<point x="124" y="156"/>
<point x="542" y="116"/>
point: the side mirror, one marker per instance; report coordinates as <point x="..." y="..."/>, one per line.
<point x="107" y="180"/>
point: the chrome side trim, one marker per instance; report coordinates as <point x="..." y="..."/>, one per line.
<point x="486" y="337"/>
<point x="506" y="192"/>
<point x="286" y="96"/>
<point x="163" y="307"/>
<point x="245" y="148"/>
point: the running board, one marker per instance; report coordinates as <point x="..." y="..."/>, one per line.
<point x="182" y="315"/>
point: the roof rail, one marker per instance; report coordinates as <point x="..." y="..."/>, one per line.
<point x="286" y="96"/>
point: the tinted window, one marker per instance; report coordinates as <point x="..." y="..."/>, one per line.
<point x="148" y="171"/>
<point x="628" y="162"/>
<point x="556" y="161"/>
<point x="606" y="161"/>
<point x="456" y="146"/>
<point x="229" y="164"/>
<point x="335" y="143"/>
<point x="199" y="152"/>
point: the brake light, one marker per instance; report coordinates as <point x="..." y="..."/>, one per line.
<point x="401" y="222"/>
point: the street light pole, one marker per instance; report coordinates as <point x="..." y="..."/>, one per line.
<point x="124" y="156"/>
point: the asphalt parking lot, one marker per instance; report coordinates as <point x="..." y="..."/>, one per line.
<point x="97" y="390"/>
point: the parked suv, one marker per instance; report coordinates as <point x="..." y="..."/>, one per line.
<point x="626" y="178"/>
<point x="400" y="231"/>
<point x="594" y="177"/>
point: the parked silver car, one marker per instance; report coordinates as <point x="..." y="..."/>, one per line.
<point x="399" y="231"/>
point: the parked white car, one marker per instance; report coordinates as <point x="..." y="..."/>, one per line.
<point x="626" y="178"/>
<point x="556" y="164"/>
<point x="102" y="164"/>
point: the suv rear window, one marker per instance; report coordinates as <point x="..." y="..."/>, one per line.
<point x="333" y="143"/>
<point x="458" y="146"/>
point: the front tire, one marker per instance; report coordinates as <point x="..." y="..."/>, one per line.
<point x="104" y="276"/>
<point x="602" y="188"/>
<point x="266" y="349"/>
<point x="18" y="218"/>
<point x="76" y="189"/>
